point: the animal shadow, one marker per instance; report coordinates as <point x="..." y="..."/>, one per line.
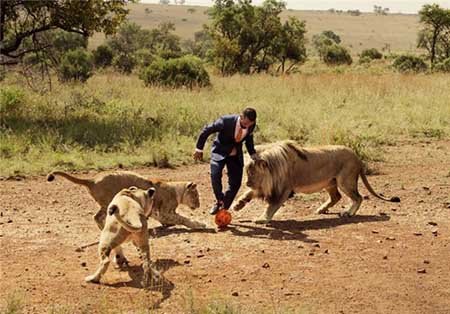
<point x="325" y="223"/>
<point x="163" y="285"/>
<point x="161" y="231"/>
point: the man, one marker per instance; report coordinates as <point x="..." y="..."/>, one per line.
<point x="226" y="150"/>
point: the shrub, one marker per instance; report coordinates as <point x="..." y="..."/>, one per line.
<point x="125" y="63"/>
<point x="76" y="65"/>
<point x="372" y="54"/>
<point x="443" y="66"/>
<point x="335" y="54"/>
<point x="12" y="102"/>
<point x="144" y="57"/>
<point x="409" y="63"/>
<point x="185" y="71"/>
<point x="103" y="56"/>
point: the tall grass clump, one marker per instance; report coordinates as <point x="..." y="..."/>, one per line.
<point x="13" y="304"/>
<point x="114" y="119"/>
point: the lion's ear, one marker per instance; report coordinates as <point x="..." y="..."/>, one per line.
<point x="151" y="192"/>
<point x="191" y="185"/>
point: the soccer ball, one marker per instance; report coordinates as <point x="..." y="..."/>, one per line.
<point x="223" y="218"/>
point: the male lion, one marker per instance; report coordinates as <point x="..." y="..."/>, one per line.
<point x="127" y="221"/>
<point x="104" y="186"/>
<point x="285" y="167"/>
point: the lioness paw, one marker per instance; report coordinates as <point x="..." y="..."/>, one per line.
<point x="92" y="279"/>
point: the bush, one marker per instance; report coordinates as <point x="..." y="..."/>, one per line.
<point x="185" y="71"/>
<point x="103" y="56"/>
<point x="12" y="102"/>
<point x="409" y="63"/>
<point x="336" y="55"/>
<point x="76" y="65"/>
<point x="125" y="63"/>
<point x="144" y="57"/>
<point x="371" y="54"/>
<point x="443" y="66"/>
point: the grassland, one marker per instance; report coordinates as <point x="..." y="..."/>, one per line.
<point x="115" y="120"/>
<point x="397" y="32"/>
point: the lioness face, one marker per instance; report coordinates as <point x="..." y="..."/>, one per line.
<point x="256" y="172"/>
<point x="191" y="197"/>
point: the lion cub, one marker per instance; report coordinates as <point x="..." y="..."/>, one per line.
<point x="127" y="221"/>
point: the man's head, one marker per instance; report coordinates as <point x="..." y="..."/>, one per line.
<point x="248" y="117"/>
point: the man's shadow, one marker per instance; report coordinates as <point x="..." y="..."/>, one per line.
<point x="164" y="286"/>
<point x="282" y="230"/>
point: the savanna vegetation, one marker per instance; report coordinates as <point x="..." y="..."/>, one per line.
<point x="141" y="97"/>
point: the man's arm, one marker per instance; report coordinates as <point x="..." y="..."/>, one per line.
<point x="216" y="126"/>
<point x="250" y="146"/>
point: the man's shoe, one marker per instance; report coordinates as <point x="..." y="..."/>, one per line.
<point x="216" y="208"/>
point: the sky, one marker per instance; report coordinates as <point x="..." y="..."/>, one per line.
<point x="395" y="6"/>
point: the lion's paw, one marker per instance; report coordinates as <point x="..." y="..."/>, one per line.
<point x="92" y="279"/>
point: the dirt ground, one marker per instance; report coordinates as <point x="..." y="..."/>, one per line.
<point x="390" y="258"/>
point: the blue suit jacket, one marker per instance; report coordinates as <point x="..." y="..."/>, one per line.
<point x="224" y="142"/>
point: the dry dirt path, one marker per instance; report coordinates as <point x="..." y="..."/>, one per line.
<point x="371" y="263"/>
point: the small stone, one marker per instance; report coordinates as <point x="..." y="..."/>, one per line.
<point x="266" y="265"/>
<point x="426" y="261"/>
<point x="385" y="257"/>
<point x="390" y="238"/>
<point x="421" y="271"/>
<point x="187" y="261"/>
<point x="311" y="253"/>
<point x="243" y="280"/>
<point x="326" y="251"/>
<point x="83" y="264"/>
<point x="435" y="232"/>
<point x="382" y="214"/>
<point x="317" y="245"/>
<point x="375" y="231"/>
<point x="432" y="223"/>
<point x="235" y="294"/>
<point x="417" y="233"/>
<point x="300" y="247"/>
<point x="200" y="255"/>
<point x="394" y="209"/>
<point x="9" y="221"/>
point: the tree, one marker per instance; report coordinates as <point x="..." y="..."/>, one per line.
<point x="436" y="22"/>
<point x="246" y="38"/>
<point x="22" y="20"/>
<point x="290" y="43"/>
<point x="323" y="40"/>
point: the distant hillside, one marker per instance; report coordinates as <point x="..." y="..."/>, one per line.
<point x="397" y="31"/>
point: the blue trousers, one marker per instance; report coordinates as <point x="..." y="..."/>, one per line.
<point x="235" y="170"/>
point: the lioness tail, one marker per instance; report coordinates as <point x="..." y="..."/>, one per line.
<point x="85" y="182"/>
<point x="394" y="199"/>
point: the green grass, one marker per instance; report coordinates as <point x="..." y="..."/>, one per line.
<point x="114" y="120"/>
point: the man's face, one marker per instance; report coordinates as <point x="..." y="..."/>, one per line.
<point x="246" y="122"/>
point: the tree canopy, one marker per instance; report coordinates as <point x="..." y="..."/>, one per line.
<point x="22" y="20"/>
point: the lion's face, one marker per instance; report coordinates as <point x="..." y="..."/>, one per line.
<point x="256" y="173"/>
<point x="191" y="197"/>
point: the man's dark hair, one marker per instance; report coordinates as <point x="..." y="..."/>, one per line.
<point x="249" y="113"/>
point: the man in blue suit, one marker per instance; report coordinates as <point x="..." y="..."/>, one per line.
<point x="226" y="150"/>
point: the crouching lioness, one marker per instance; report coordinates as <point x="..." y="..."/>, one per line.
<point x="285" y="167"/>
<point x="127" y="221"/>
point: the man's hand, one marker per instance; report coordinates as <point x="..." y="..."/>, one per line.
<point x="198" y="156"/>
<point x="254" y="157"/>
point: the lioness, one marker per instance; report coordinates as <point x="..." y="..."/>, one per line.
<point x="126" y="221"/>
<point x="104" y="186"/>
<point x="286" y="167"/>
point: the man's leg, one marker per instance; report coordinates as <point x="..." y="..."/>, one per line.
<point x="216" y="182"/>
<point x="235" y="170"/>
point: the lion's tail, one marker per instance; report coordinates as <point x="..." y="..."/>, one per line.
<point x="86" y="182"/>
<point x="125" y="224"/>
<point x="394" y="199"/>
